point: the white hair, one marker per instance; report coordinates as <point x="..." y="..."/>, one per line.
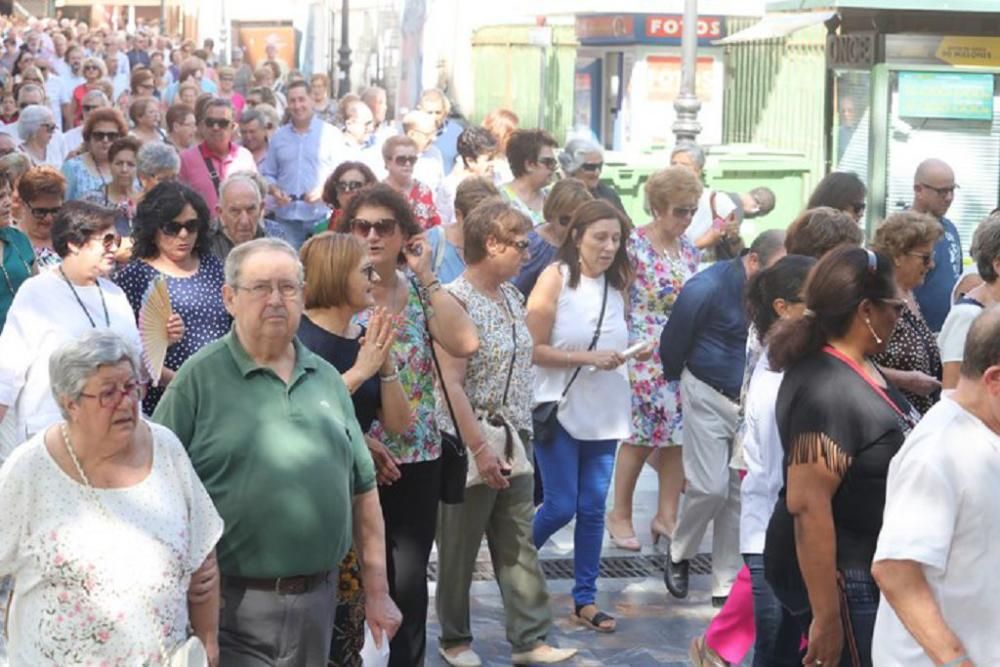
<point x="242" y="252"/>
<point x="31" y="120"/>
<point x="575" y="152"/>
<point x="75" y="362"/>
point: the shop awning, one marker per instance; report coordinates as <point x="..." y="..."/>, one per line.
<point x="776" y="26"/>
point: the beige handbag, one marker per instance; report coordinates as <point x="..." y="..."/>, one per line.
<point x="189" y="653"/>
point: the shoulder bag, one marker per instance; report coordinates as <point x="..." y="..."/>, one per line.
<point x="545" y="414"/>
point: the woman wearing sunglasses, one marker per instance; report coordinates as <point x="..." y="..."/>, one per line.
<point x="170" y="232"/>
<point x="36" y="129"/>
<point x="408" y="465"/>
<point x="94" y="71"/>
<point x="339" y="189"/>
<point x="583" y="159"/>
<point x="400" y="154"/>
<point x="91" y="170"/>
<point x="532" y="158"/>
<point x="911" y="360"/>
<point x="58" y="305"/>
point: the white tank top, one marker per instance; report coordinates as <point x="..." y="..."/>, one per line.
<point x="599" y="404"/>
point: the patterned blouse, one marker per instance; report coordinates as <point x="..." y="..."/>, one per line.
<point x="424" y="210"/>
<point x="501" y="334"/>
<point x="412" y="351"/>
<point x="913" y="347"/>
<point x="536" y="216"/>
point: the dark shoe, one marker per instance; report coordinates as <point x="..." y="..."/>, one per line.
<point x="675" y="576"/>
<point x="719" y="601"/>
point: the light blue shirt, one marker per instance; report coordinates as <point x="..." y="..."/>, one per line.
<point x="300" y="162"/>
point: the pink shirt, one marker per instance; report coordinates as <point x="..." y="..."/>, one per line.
<point x="194" y="172"/>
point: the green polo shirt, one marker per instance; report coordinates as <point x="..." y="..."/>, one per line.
<point x="282" y="462"/>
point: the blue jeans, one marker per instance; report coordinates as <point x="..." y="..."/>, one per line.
<point x="577" y="474"/>
<point x="778" y="634"/>
<point x="862" y="596"/>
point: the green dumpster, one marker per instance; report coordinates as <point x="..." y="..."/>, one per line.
<point x="627" y="174"/>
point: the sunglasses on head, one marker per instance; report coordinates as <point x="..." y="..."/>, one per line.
<point x="172" y="228"/>
<point x="349" y="186"/>
<point x="218" y="123"/>
<point x="105" y="136"/>
<point x="383" y="227"/>
<point x="592" y="166"/>
<point x="403" y="160"/>
<point x="39" y="213"/>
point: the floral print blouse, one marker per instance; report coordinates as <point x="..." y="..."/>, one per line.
<point x="79" y="597"/>
<point x="412" y="351"/>
<point x="424" y="210"/>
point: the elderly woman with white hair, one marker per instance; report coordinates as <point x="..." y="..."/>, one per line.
<point x="100" y="478"/>
<point x="156" y="162"/>
<point x="37" y="129"/>
<point x="583" y="160"/>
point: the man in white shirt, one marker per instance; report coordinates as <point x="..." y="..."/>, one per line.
<point x="94" y="99"/>
<point x="702" y="232"/>
<point x="55" y="89"/>
<point x="936" y="561"/>
<point x="359" y="127"/>
<point x="422" y="128"/>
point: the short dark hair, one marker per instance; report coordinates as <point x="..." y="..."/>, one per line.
<point x="104" y="115"/>
<point x="841" y="190"/>
<point x="496" y="218"/>
<point x="177" y="113"/>
<point x="297" y="83"/>
<point x="784" y="280"/>
<point x="982" y="344"/>
<point x="767" y="244"/>
<point x="41" y="181"/>
<point x="819" y="230"/>
<point x="124" y="144"/>
<point x="473" y="142"/>
<point x="382" y="195"/>
<point x="76" y="222"/>
<point x="524" y="146"/>
<point x="330" y="186"/>
<point x="162" y="204"/>
<point x="471" y="192"/>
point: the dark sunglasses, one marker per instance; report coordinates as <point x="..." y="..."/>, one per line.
<point x="91" y="67"/>
<point x="592" y="166"/>
<point x="91" y="107"/>
<point x="403" y="160"/>
<point x="349" y="186"/>
<point x="383" y="227"/>
<point x="684" y="211"/>
<point x="520" y="245"/>
<point x="41" y="213"/>
<point x="110" y="241"/>
<point x="926" y="258"/>
<point x="548" y="162"/>
<point x="218" y="123"/>
<point x="105" y="136"/>
<point x="171" y="228"/>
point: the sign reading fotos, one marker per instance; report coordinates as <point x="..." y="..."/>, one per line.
<point x="950" y="95"/>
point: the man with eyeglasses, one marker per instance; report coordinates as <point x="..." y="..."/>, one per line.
<point x="421" y="127"/>
<point x="206" y="165"/>
<point x="933" y="192"/>
<point x="55" y="89"/>
<point x="437" y="104"/>
<point x="301" y="156"/>
<point x="138" y="55"/>
<point x="93" y="99"/>
<point x="359" y="131"/>
<point x="286" y="466"/>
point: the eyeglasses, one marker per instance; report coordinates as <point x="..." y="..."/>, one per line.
<point x="897" y="305"/>
<point x="90" y="68"/>
<point x="105" y="136"/>
<point x="363" y="228"/>
<point x="31" y="79"/>
<point x="349" y="186"/>
<point x="110" y="241"/>
<point x="48" y="126"/>
<point x="683" y="211"/>
<point x="369" y="272"/>
<point x="263" y="290"/>
<point x="592" y="166"/>
<point x="403" y="160"/>
<point x="926" y="258"/>
<point x="548" y="162"/>
<point x="520" y="244"/>
<point x="112" y="398"/>
<point x="42" y="213"/>
<point x="943" y="192"/>
<point x="172" y="228"/>
<point x="90" y="107"/>
<point x="218" y="123"/>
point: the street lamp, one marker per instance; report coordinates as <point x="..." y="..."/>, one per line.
<point x="345" y="52"/>
<point x="686" y="126"/>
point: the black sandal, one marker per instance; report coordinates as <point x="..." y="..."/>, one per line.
<point x="595" y="621"/>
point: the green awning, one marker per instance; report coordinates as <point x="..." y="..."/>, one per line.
<point x="776" y="26"/>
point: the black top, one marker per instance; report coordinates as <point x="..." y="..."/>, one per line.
<point x="608" y="194"/>
<point x="341" y="353"/>
<point x="827" y="411"/>
<point x="913" y="347"/>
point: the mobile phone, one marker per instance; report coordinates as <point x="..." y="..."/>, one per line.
<point x="630" y="352"/>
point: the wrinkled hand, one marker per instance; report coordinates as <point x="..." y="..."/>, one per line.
<point x="204" y="581"/>
<point x="386" y="465"/>
<point x="921" y="383"/>
<point x="376" y="345"/>
<point x="606" y="360"/>
<point x="382" y="616"/>
<point x="417" y="252"/>
<point x="491" y="468"/>
<point x="826" y="642"/>
<point x="175" y="328"/>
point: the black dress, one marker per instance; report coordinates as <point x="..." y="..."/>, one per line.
<point x="913" y="347"/>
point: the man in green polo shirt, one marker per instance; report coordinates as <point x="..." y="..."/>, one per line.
<point x="271" y="431"/>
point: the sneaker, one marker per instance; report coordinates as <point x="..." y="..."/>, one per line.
<point x="543" y="654"/>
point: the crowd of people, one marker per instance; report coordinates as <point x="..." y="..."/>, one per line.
<point x="386" y="334"/>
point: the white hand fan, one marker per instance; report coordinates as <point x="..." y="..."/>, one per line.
<point x="153" y="316"/>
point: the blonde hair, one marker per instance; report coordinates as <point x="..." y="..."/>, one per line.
<point x="667" y="187"/>
<point x="565" y="197"/>
<point x="901" y="232"/>
<point x="329" y="259"/>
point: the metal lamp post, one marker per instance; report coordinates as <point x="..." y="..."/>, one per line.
<point x="345" y="52"/>
<point x="686" y="126"/>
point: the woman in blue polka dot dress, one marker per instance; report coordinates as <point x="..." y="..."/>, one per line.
<point x="170" y="233"/>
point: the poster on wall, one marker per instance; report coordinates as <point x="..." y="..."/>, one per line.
<point x="254" y="38"/>
<point x="949" y="95"/>
<point x="661" y="83"/>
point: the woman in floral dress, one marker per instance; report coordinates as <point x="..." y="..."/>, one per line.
<point x="663" y="259"/>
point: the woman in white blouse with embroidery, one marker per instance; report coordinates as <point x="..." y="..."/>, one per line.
<point x="108" y="533"/>
<point x="58" y="305"/>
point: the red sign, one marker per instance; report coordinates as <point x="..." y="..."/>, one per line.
<point x="709" y="27"/>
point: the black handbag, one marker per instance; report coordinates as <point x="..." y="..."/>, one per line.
<point x="454" y="460"/>
<point x="545" y="414"/>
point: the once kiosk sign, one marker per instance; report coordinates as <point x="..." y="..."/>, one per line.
<point x="853" y="51"/>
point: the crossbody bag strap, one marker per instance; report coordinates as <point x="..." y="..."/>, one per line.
<point x="593" y="341"/>
<point x="513" y="350"/>
<point x="212" y="173"/>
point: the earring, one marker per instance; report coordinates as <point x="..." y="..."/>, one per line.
<point x="878" y="341"/>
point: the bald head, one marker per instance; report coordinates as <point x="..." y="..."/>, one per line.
<point x="982" y="344"/>
<point x="933" y="187"/>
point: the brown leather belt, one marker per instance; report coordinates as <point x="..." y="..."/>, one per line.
<point x="296" y="585"/>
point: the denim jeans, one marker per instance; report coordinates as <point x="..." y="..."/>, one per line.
<point x="577" y="474"/>
<point x="778" y="634"/>
<point x="862" y="596"/>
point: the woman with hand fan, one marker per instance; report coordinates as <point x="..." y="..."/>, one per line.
<point x="170" y="231"/>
